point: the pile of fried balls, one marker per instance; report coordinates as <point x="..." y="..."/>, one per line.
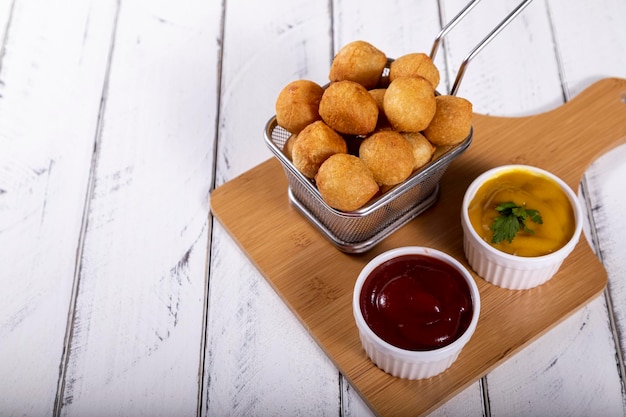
<point x="367" y="131"/>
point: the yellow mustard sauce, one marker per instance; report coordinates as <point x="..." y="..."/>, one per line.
<point x="533" y="191"/>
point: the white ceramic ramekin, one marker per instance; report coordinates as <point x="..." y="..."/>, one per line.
<point x="409" y="364"/>
<point x="510" y="271"/>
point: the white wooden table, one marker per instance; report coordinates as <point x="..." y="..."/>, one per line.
<point x="119" y="294"/>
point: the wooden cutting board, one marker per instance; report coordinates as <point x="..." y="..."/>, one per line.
<point x="315" y="279"/>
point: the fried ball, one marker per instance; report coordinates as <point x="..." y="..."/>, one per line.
<point x="409" y="104"/>
<point x="349" y="108"/>
<point x="298" y="104"/>
<point x="452" y="121"/>
<point x="423" y="150"/>
<point x="388" y="155"/>
<point x="345" y="183"/>
<point x="379" y="94"/>
<point x="288" y="146"/>
<point x="413" y="65"/>
<point x="314" y="145"/>
<point x="358" y="61"/>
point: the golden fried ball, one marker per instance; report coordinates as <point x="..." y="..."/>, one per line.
<point x="452" y="121"/>
<point x="349" y="108"/>
<point x="358" y="61"/>
<point x="423" y="150"/>
<point x="409" y="104"/>
<point x="314" y="145"/>
<point x="414" y="65"/>
<point x="345" y="183"/>
<point x="297" y="105"/>
<point x="288" y="146"/>
<point x="388" y="155"/>
<point x="379" y="94"/>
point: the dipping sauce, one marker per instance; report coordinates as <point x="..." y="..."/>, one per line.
<point x="532" y="191"/>
<point x="416" y="302"/>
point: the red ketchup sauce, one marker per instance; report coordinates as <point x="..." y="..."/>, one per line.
<point x="416" y="302"/>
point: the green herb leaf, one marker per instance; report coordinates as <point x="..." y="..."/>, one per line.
<point x="512" y="219"/>
<point x="506" y="207"/>
<point x="535" y="216"/>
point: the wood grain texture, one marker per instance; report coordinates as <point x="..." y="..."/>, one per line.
<point x="517" y="73"/>
<point x="52" y="66"/>
<point x="581" y="60"/>
<point x="251" y="334"/>
<point x="531" y="76"/>
<point x="142" y="270"/>
<point x="562" y="369"/>
<point x="398" y="28"/>
<point x="248" y="327"/>
<point x="327" y="292"/>
<point x="586" y="57"/>
<point x="605" y="180"/>
<point x="283" y="46"/>
<point x="120" y="298"/>
<point x="6" y="11"/>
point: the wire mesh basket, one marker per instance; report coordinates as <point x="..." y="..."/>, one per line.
<point x="358" y="231"/>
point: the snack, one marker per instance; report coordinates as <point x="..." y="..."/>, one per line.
<point x="345" y="183"/>
<point x="414" y="65"/>
<point x="288" y="146"/>
<point x="297" y="105"/>
<point x="369" y="95"/>
<point x="379" y="95"/>
<point x="388" y="155"/>
<point x="452" y="121"/>
<point x="349" y="108"/>
<point x="423" y="150"/>
<point x="409" y="104"/>
<point x="358" y="61"/>
<point x="314" y="145"/>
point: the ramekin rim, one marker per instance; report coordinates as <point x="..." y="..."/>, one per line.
<point x="417" y="355"/>
<point x="571" y="196"/>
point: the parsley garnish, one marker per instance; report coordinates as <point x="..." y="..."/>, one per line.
<point x="511" y="220"/>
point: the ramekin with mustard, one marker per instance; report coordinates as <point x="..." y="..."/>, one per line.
<point x="519" y="223"/>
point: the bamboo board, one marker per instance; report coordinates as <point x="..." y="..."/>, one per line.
<point x="316" y="280"/>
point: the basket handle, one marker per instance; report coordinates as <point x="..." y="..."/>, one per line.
<point x="479" y="47"/>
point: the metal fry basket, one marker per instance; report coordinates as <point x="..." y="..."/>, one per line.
<point x="360" y="230"/>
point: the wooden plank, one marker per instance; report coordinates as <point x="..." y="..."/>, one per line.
<point x="586" y="59"/>
<point x="51" y="76"/>
<point x="516" y="74"/>
<point x="500" y="81"/>
<point x="6" y="10"/>
<point x="397" y="28"/>
<point x="505" y="82"/>
<point x="282" y="43"/>
<point x="572" y="368"/>
<point x="513" y="327"/>
<point x="605" y="179"/>
<point x="260" y="361"/>
<point x="136" y="338"/>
